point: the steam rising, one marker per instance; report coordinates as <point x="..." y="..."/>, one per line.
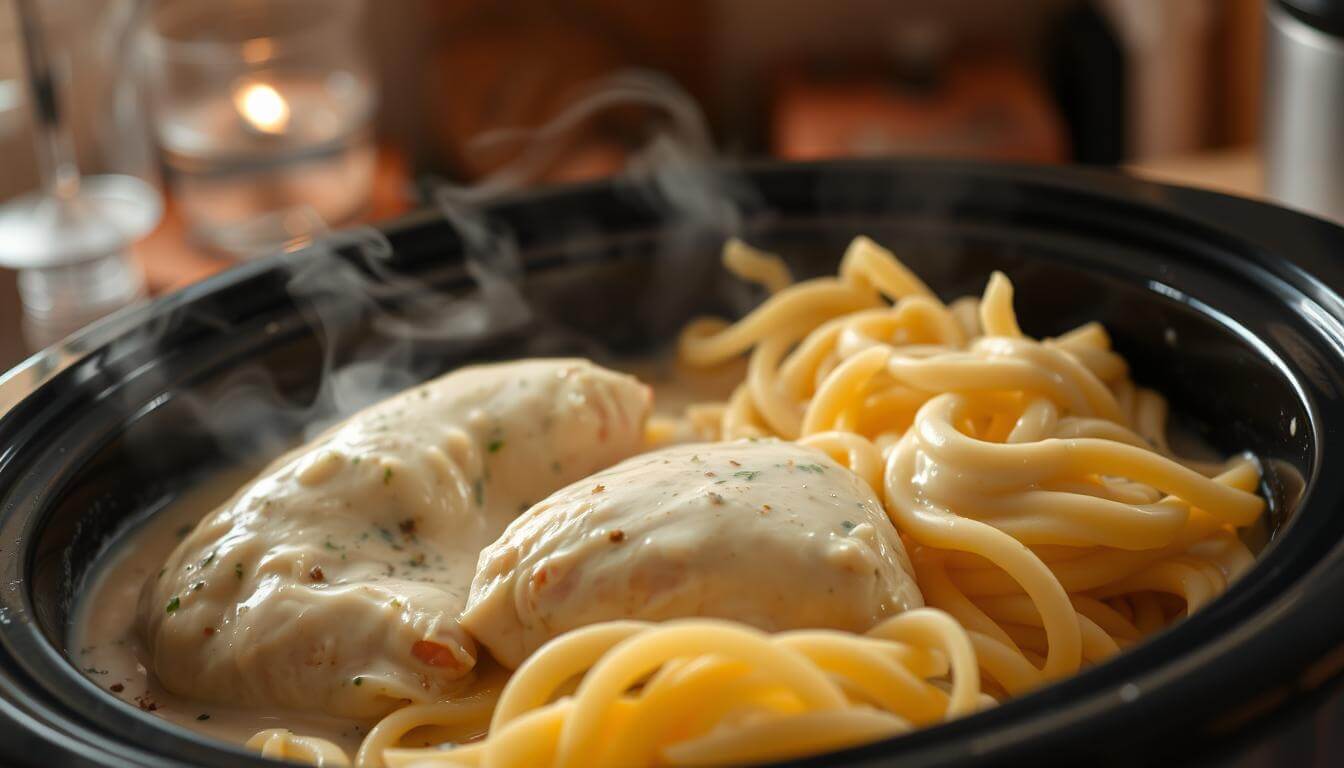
<point x="381" y="331"/>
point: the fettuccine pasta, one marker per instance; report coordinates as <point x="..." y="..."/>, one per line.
<point x="1034" y="479"/>
<point x="700" y="692"/>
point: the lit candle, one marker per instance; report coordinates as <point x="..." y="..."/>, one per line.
<point x="262" y="118"/>
<point x="262" y="108"/>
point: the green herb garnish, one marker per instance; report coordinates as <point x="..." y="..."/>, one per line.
<point x="747" y="474"/>
<point x="173" y="604"/>
<point x="495" y="445"/>
<point x="387" y="537"/>
<point x="387" y="475"/>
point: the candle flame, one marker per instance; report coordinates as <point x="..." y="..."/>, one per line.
<point x="262" y="107"/>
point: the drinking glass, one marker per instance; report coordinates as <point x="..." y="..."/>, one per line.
<point x="262" y="113"/>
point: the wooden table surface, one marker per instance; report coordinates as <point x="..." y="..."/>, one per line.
<point x="170" y="261"/>
<point x="1236" y="171"/>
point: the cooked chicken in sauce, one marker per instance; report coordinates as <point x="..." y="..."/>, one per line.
<point x="768" y="533"/>
<point x="333" y="582"/>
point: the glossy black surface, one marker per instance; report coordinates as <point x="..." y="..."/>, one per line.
<point x="1232" y="308"/>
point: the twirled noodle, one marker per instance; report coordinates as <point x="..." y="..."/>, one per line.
<point x="1048" y="513"/>
<point x="283" y="744"/>
<point x="1049" y="523"/>
<point x="697" y="692"/>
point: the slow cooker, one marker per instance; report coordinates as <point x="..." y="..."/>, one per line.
<point x="1233" y="308"/>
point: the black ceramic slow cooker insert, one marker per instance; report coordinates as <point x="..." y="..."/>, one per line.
<point x="1230" y="307"/>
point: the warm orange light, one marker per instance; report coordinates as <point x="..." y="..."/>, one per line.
<point x="262" y="107"/>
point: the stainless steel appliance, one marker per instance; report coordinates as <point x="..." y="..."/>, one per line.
<point x="1304" y="104"/>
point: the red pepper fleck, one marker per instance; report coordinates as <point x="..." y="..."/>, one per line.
<point x="208" y="631"/>
<point x="710" y="474"/>
<point x="316" y="573"/>
<point x="434" y="654"/>
<point x="734" y="463"/>
<point x="599" y="488"/>
<point x="616" y="536"/>
<point x="116" y="688"/>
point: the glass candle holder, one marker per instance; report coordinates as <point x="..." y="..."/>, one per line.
<point x="80" y="177"/>
<point x="262" y="112"/>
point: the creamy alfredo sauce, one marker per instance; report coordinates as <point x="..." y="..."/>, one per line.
<point x="108" y="648"/>
<point x="105" y="642"/>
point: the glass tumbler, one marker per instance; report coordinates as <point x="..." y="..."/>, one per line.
<point x="262" y="112"/>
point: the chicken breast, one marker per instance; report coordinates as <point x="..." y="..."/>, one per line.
<point x="765" y="532"/>
<point x="333" y="582"/>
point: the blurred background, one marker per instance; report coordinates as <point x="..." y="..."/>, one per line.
<point x="148" y="143"/>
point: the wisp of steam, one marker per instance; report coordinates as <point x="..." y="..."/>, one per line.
<point x="374" y="324"/>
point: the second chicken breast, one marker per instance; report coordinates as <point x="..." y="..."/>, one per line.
<point x="765" y="532"/>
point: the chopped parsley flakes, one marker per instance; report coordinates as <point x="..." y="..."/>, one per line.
<point x="387" y="537"/>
